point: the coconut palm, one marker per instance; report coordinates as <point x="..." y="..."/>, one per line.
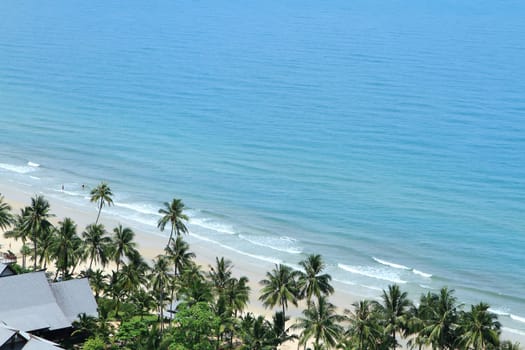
<point x="19" y="231"/>
<point x="36" y="221"/>
<point x="279" y="288"/>
<point x="143" y="301"/>
<point x="237" y="294"/>
<point x="479" y="328"/>
<point x="97" y="245"/>
<point x="45" y="242"/>
<point x="179" y="255"/>
<point x="311" y="281"/>
<point x="123" y="245"/>
<point x="101" y="195"/>
<point x="220" y="274"/>
<point x="439" y="313"/>
<point x="98" y="282"/>
<point x="6" y="218"/>
<point x="394" y="308"/>
<point x="364" y="326"/>
<point x="64" y="245"/>
<point x="320" y="322"/>
<point x="160" y="280"/>
<point x="256" y="333"/>
<point x="173" y="213"/>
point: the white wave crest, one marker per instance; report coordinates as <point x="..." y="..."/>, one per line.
<point x="213" y="225"/>
<point x="282" y="244"/>
<point x="421" y="273"/>
<point x="372" y="272"/>
<point x="35" y="165"/>
<point x="139" y="207"/>
<point x="517" y="318"/>
<point x="512" y="330"/>
<point x="394" y="265"/>
<point x="255" y="256"/>
<point x="17" y="168"/>
<point x="499" y="312"/>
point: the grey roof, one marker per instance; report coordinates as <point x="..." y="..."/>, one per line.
<point x="5" y="335"/>
<point x="6" y="270"/>
<point x="75" y="297"/>
<point x="25" y="340"/>
<point x="29" y="302"/>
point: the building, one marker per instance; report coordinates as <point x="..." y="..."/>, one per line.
<point x="14" y="339"/>
<point x="30" y="303"/>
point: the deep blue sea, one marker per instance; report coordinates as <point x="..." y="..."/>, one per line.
<point x="388" y="136"/>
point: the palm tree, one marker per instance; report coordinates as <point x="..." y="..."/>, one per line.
<point x="439" y="313"/>
<point x="179" y="255"/>
<point x="221" y="274"/>
<point x="64" y="245"/>
<point x="320" y="322"/>
<point x="279" y="288"/>
<point x="364" y="325"/>
<point x="20" y="232"/>
<point x="6" y="218"/>
<point x="160" y="279"/>
<point x="143" y="301"/>
<point x="394" y="308"/>
<point x="256" y="333"/>
<point x="479" y="328"/>
<point x="96" y="244"/>
<point x="102" y="195"/>
<point x="98" y="282"/>
<point x="312" y="282"/>
<point x="173" y="213"/>
<point x="36" y="221"/>
<point x="123" y="244"/>
<point x="237" y="294"/>
<point x="45" y="242"/>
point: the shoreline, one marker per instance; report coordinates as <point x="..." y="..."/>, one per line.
<point x="151" y="244"/>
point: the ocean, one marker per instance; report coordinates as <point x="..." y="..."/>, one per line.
<point x="388" y="136"/>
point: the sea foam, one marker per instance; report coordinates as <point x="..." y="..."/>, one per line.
<point x="372" y="272"/>
<point x="394" y="265"/>
<point x="17" y="168"/>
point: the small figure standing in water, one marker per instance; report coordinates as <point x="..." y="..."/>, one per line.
<point x="62" y="188"/>
<point x="82" y="186"/>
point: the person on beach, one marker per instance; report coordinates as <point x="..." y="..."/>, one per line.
<point x="62" y="188"/>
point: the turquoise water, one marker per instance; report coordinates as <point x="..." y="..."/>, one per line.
<point x="387" y="136"/>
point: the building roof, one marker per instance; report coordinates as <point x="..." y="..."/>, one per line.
<point x="6" y="270"/>
<point x="24" y="341"/>
<point x="75" y="297"/>
<point x="29" y="302"/>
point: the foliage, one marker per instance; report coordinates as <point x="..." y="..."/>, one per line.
<point x="94" y="344"/>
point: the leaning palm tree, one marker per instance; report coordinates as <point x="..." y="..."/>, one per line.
<point x="173" y="213"/>
<point x="6" y="218"/>
<point x="97" y="244"/>
<point x="479" y="328"/>
<point x="311" y="281"/>
<point x="322" y="323"/>
<point x="36" y="221"/>
<point x="18" y="231"/>
<point x="160" y="279"/>
<point x="102" y="195"/>
<point x="280" y="288"/>
<point x="123" y="244"/>
<point x="394" y="308"/>
<point x="63" y="247"/>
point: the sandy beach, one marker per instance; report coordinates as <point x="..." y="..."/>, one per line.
<point x="151" y="245"/>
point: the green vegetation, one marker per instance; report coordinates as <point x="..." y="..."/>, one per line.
<point x="173" y="304"/>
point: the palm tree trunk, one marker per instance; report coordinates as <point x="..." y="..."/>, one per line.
<point x="34" y="243"/>
<point x="98" y="215"/>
